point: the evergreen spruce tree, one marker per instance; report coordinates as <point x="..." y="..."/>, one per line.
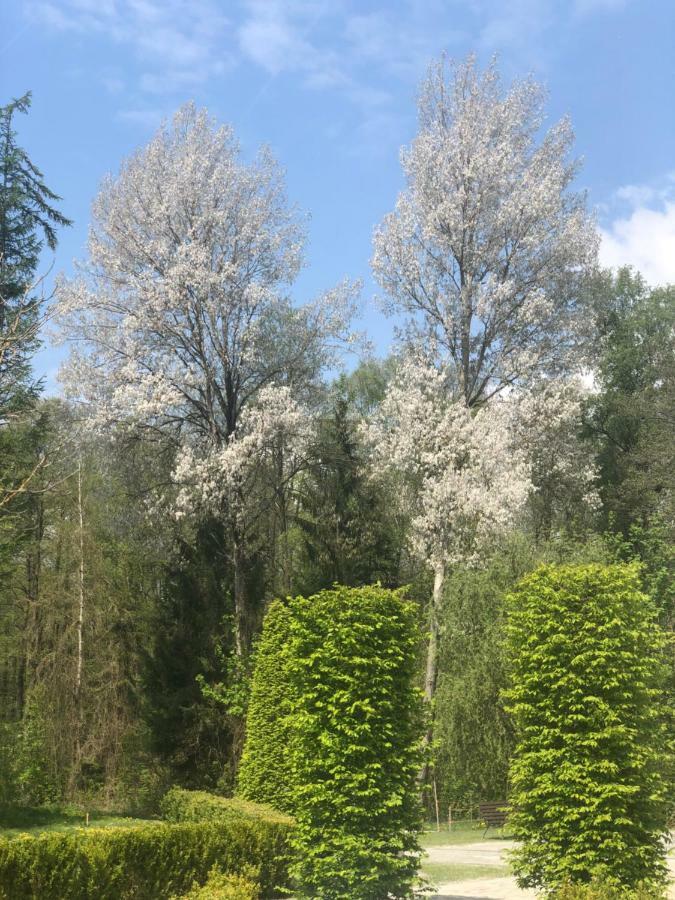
<point x="28" y="221"/>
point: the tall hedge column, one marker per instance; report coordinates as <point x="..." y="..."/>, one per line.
<point x="334" y="737"/>
<point x="587" y="672"/>
<point x="356" y="739"/>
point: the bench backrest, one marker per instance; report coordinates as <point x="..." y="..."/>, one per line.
<point x="493" y="813"/>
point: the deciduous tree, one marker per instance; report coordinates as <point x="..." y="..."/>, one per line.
<point x="488" y="245"/>
<point x="181" y="315"/>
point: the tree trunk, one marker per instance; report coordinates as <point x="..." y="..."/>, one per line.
<point x="79" y="626"/>
<point x="241" y="630"/>
<point x="432" y="659"/>
<point x="80" y="611"/>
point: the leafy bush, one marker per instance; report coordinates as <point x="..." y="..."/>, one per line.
<point x="264" y="770"/>
<point x="355" y="734"/>
<point x="586" y="672"/>
<point x="220" y="886"/>
<point x="607" y="890"/>
<point x="180" y="805"/>
<point x="143" y="863"/>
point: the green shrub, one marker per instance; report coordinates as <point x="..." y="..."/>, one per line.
<point x="586" y="670"/>
<point x="220" y="886"/>
<point x="355" y="736"/>
<point x="605" y="890"/>
<point x="264" y="771"/>
<point x="180" y="805"/>
<point x="143" y="863"/>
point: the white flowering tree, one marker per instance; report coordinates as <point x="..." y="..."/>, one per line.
<point x="487" y="246"/>
<point x="547" y="423"/>
<point x="461" y="475"/>
<point x="181" y="322"/>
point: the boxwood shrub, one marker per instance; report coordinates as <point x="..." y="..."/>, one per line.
<point x="162" y="859"/>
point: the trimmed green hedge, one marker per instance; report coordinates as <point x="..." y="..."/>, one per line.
<point x="180" y="805"/>
<point x="587" y="675"/>
<point x="264" y="774"/>
<point x="355" y="748"/>
<point x="225" y="887"/>
<point x="151" y="861"/>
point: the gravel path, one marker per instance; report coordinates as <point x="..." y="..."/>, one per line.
<point x="488" y="853"/>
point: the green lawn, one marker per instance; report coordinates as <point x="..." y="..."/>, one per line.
<point x="461" y="833"/>
<point x="17" y="820"/>
<point x="440" y="872"/>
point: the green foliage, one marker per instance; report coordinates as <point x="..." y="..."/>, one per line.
<point x="474" y="736"/>
<point x="220" y="886"/>
<point x="652" y="546"/>
<point x="179" y="805"/>
<point x="28" y="220"/>
<point x="345" y="526"/>
<point x="35" y="779"/>
<point x="143" y="863"/>
<point x="189" y="730"/>
<point x="355" y="743"/>
<point x="264" y="768"/>
<point x="631" y="416"/>
<point x="607" y="890"/>
<point x="586" y="675"/>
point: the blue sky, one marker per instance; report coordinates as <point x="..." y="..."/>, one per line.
<point x="331" y="87"/>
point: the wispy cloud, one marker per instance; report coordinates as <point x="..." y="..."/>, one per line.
<point x="362" y="53"/>
<point x="179" y="41"/>
<point x="148" y="118"/>
<point x="277" y="35"/>
<point x="642" y="231"/>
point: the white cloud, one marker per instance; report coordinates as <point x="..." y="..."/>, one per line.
<point x="644" y="235"/>
<point x="398" y="44"/>
<point x="181" y="41"/>
<point x="147" y="118"/>
<point x="277" y="36"/>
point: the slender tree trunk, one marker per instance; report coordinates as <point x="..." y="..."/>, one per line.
<point x="79" y="627"/>
<point x="80" y="615"/>
<point x="241" y="635"/>
<point x="434" y="629"/>
<point x="33" y="626"/>
<point x="432" y="659"/>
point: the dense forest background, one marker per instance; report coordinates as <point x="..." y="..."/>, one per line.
<point x="125" y="658"/>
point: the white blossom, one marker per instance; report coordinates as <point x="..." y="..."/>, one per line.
<point x="487" y="245"/>
<point x="547" y="420"/>
<point x="182" y="324"/>
<point x="213" y="478"/>
<point x="466" y="477"/>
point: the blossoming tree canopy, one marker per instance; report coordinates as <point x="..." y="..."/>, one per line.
<point x="181" y="316"/>
<point x="487" y="245"/>
<point x="463" y="477"/>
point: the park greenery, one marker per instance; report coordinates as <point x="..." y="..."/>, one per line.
<point x="278" y="599"/>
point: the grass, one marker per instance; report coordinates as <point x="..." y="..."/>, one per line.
<point x="440" y="872"/>
<point x="16" y="820"/>
<point x="462" y="832"/>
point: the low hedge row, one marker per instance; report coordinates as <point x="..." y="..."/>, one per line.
<point x="180" y="805"/>
<point x="158" y="860"/>
<point x="225" y="887"/>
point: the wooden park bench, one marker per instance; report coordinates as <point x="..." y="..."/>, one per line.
<point x="493" y="813"/>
